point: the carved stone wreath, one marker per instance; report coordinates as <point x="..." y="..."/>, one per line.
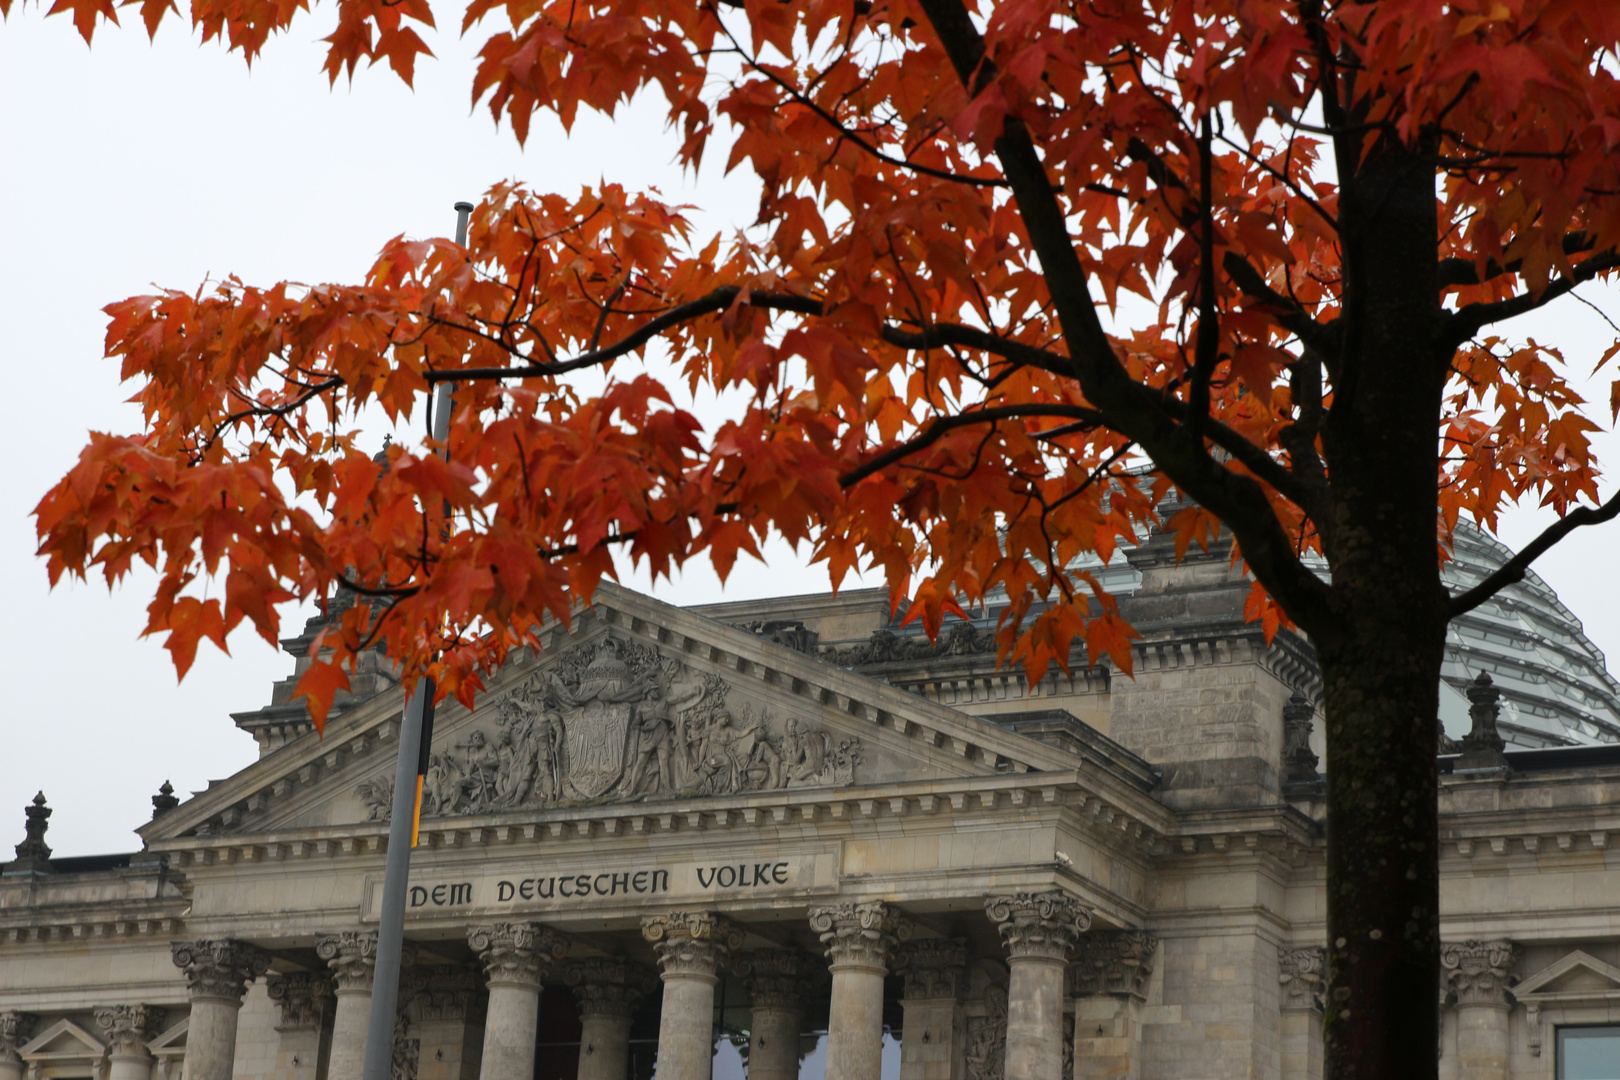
<point x="614" y="720"/>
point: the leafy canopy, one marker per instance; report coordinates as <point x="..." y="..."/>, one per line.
<point x="953" y="193"/>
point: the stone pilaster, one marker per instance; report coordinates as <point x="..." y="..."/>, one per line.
<point x="448" y="1005"/>
<point x="1302" y="975"/>
<point x="859" y="938"/>
<point x="691" y="946"/>
<point x="217" y="975"/>
<point x="935" y="971"/>
<point x="1038" y="929"/>
<point x="516" y="956"/>
<point x="1476" y="977"/>
<point x="16" y="1028"/>
<point x="777" y="985"/>
<point x="303" y="1001"/>
<point x="128" y="1029"/>
<point x="352" y="956"/>
<point x="608" y="989"/>
<point x="1108" y="977"/>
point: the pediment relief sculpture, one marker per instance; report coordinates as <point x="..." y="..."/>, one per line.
<point x="616" y="721"/>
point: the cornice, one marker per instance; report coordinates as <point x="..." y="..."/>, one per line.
<point x="1136" y="819"/>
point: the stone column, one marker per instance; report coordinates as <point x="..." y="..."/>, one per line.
<point x="303" y="1002"/>
<point x="608" y="989"/>
<point x="448" y="1004"/>
<point x="217" y="975"/>
<point x="776" y="989"/>
<point x="352" y="956"/>
<point x="1300" y="973"/>
<point x="16" y="1028"/>
<point x="1476" y="978"/>
<point x="691" y="947"/>
<point x="935" y="970"/>
<point x="1108" y="979"/>
<point x="1039" y="929"/>
<point x="859" y="938"/>
<point x="516" y="957"/>
<point x="129" y="1028"/>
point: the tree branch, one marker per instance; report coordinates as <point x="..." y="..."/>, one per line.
<point x="1514" y="569"/>
<point x="1323" y="337"/>
<point x="944" y="425"/>
<point x="1467" y="321"/>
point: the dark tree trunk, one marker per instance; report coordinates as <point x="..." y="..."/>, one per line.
<point x="1381" y="652"/>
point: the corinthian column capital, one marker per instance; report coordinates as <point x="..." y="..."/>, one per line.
<point x="860" y="935"/>
<point x="16" y="1028"/>
<point x="1301" y="973"/>
<point x="693" y="944"/>
<point x="934" y="968"/>
<point x="1111" y="962"/>
<point x="303" y="998"/>
<point x="130" y="1027"/>
<point x="1476" y="972"/>
<point x="776" y="978"/>
<point x="516" y="954"/>
<point x="219" y="969"/>
<point x="1039" y="925"/>
<point x="608" y="985"/>
<point x="352" y="955"/>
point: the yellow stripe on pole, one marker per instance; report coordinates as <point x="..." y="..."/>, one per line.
<point x="416" y="813"/>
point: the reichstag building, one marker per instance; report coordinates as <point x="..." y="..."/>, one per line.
<point x="790" y="838"/>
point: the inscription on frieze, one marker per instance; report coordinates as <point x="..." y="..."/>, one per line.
<point x="616" y="721"/>
<point x="565" y="886"/>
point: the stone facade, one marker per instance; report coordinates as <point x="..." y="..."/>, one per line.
<point x="804" y="834"/>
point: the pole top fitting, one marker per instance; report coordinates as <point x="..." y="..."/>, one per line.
<point x="464" y="207"/>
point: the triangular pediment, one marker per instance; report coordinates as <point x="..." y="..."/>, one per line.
<point x="174" y="1038"/>
<point x="1576" y="975"/>
<point x="64" y="1037"/>
<point x="638" y="701"/>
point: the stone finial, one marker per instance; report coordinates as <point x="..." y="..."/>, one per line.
<point x="164" y="801"/>
<point x="1482" y="746"/>
<point x="933" y="968"/>
<point x="516" y="953"/>
<point x="860" y="935"/>
<point x="33" y="854"/>
<point x="608" y="985"/>
<point x="303" y="998"/>
<point x="1476" y="972"/>
<point x="16" y="1028"/>
<point x="1039" y="925"/>
<point x="1299" y="761"/>
<point x="130" y="1027"/>
<point x="442" y="992"/>
<point x="691" y="943"/>
<point x="1301" y="973"/>
<point x="219" y="969"/>
<point x="776" y="978"/>
<point x="352" y="956"/>
<point x="1112" y="962"/>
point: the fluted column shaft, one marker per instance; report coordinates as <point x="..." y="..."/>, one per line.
<point x="217" y="975"/>
<point x="352" y="956"/>
<point x="303" y="1000"/>
<point x="1039" y="929"/>
<point x="935" y="971"/>
<point x="691" y="947"/>
<point x="516" y="957"/>
<point x="129" y="1028"/>
<point x="858" y="938"/>
<point x="776" y="987"/>
<point x="608" y="990"/>
<point x="1476" y="974"/>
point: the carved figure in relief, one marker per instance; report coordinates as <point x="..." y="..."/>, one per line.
<point x="615" y="719"/>
<point x="986" y="1053"/>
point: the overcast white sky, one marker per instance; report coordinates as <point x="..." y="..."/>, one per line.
<point x="137" y="164"/>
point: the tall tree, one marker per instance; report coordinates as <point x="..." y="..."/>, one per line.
<point x="1324" y="209"/>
